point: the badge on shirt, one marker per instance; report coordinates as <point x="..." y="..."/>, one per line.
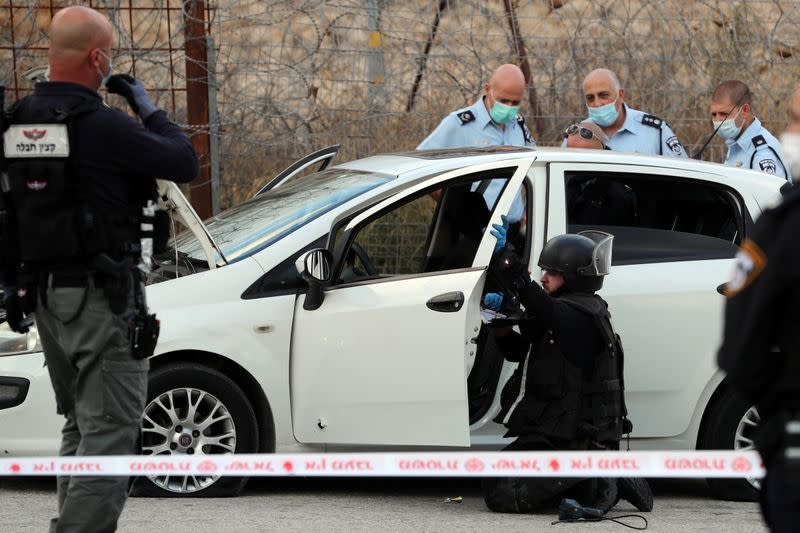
<point x="36" y="140"/>
<point x="750" y="262"/>
<point x="768" y="166"/>
<point x="674" y="144"/>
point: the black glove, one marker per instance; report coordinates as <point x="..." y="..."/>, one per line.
<point x="133" y="91"/>
<point x="509" y="271"/>
<point x="14" y="315"/>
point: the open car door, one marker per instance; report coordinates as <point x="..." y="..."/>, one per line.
<point x="384" y="360"/>
<point x="322" y="158"/>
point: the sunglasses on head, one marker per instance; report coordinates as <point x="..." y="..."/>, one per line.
<point x="585" y="133"/>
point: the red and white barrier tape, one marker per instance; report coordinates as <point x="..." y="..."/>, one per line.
<point x="688" y="464"/>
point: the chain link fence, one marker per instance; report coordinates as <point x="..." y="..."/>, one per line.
<point x="287" y="77"/>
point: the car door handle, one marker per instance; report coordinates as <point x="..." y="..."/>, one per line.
<point x="721" y="288"/>
<point x="449" y="302"/>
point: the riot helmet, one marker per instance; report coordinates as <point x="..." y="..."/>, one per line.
<point x="582" y="258"/>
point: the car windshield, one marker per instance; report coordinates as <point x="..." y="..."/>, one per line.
<point x="257" y="223"/>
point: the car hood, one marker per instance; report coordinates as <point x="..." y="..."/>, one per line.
<point x="172" y="200"/>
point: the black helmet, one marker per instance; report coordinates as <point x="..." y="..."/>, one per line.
<point x="583" y="259"/>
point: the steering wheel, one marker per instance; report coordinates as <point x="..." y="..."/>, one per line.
<point x="365" y="260"/>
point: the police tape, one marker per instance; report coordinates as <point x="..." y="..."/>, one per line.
<point x="687" y="464"/>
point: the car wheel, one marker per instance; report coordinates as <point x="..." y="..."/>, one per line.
<point x="732" y="424"/>
<point x="192" y="409"/>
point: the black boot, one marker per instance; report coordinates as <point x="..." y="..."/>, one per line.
<point x="637" y="491"/>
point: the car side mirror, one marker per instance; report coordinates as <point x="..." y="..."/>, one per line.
<point x="315" y="269"/>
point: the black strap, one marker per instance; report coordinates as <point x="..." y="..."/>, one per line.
<point x="656" y="122"/>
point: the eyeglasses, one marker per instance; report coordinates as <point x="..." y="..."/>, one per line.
<point x="585" y="133"/>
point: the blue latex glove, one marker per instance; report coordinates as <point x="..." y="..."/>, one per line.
<point x="133" y="91"/>
<point x="500" y="232"/>
<point x="493" y="301"/>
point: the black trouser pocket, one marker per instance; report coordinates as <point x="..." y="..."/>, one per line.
<point x="124" y="389"/>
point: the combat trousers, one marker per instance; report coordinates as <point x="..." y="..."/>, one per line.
<point x="101" y="390"/>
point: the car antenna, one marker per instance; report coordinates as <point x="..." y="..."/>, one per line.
<point x="699" y="153"/>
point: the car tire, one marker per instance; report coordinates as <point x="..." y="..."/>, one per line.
<point x="730" y="415"/>
<point x="178" y="388"/>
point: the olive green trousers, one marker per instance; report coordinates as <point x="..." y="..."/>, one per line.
<point x="100" y="389"/>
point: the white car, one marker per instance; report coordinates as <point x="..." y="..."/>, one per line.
<point x="379" y="343"/>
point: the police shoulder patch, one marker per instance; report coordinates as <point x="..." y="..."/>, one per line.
<point x="465" y="117"/>
<point x="652" y="121"/>
<point x="768" y="166"/>
<point x="750" y="262"/>
<point x="674" y="144"/>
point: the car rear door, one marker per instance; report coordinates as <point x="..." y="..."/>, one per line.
<point x="384" y="360"/>
<point x="671" y="253"/>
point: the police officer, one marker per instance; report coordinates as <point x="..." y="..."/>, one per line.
<point x="567" y="392"/>
<point x="76" y="175"/>
<point x="493" y="120"/>
<point x="750" y="145"/>
<point x="760" y="351"/>
<point x="627" y="129"/>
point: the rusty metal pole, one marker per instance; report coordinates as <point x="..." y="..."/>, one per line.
<point x="197" y="101"/>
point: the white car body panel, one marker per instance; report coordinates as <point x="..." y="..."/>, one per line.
<point x="670" y="354"/>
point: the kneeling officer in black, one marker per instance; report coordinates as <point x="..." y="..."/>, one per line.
<point x="76" y="175"/>
<point x="568" y="391"/>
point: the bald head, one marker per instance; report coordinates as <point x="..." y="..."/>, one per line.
<point x="602" y="76"/>
<point x="578" y="139"/>
<point x="507" y="86"/>
<point x="80" y="46"/>
<point x="508" y="76"/>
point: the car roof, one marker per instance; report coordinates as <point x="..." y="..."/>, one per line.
<point x="435" y="161"/>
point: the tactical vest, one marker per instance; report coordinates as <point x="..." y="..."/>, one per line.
<point x="50" y="218"/>
<point x="560" y="401"/>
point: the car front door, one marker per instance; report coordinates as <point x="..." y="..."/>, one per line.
<point x="384" y="360"/>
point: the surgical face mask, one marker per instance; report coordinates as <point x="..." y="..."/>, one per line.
<point x="727" y="129"/>
<point x="791" y="150"/>
<point x="605" y="115"/>
<point x="108" y="75"/>
<point x="502" y="113"/>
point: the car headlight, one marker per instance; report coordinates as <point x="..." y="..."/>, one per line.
<point x="13" y="343"/>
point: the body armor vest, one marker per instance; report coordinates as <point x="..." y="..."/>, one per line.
<point x="560" y="401"/>
<point x="50" y="217"/>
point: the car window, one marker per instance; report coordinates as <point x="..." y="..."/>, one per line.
<point x="437" y="230"/>
<point x="259" y="222"/>
<point x="656" y="218"/>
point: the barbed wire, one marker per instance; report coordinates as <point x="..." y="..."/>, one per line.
<point x="378" y="75"/>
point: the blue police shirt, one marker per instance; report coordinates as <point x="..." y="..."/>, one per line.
<point x="644" y="134"/>
<point x="757" y="149"/>
<point x="473" y="126"/>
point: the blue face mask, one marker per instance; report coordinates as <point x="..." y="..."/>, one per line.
<point x="605" y="115"/>
<point x="108" y="75"/>
<point x="502" y="113"/>
<point x="727" y="129"/>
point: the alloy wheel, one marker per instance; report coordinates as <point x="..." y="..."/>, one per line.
<point x="187" y="421"/>
<point x="744" y="438"/>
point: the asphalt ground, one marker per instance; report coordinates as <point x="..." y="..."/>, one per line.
<point x="382" y="505"/>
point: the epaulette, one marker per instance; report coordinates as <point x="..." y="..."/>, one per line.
<point x="759" y="141"/>
<point x="465" y="116"/>
<point x="652" y="121"/>
<point x="526" y="133"/>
